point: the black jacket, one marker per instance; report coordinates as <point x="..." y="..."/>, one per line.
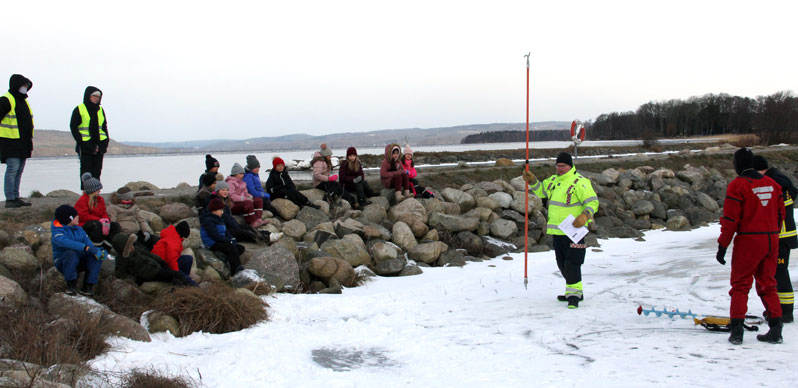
<point x="22" y="147"/>
<point x="93" y="145"/>
<point x="279" y="181"/>
<point x="789" y="192"/>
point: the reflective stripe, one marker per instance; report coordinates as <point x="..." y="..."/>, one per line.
<point x="588" y="200"/>
<point x="788" y="234"/>
<point x="9" y="127"/>
<point x="573" y="289"/>
<point x="560" y="204"/>
<point x="788" y="202"/>
<point x="786" y="297"/>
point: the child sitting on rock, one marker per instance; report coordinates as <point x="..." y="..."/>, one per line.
<point x="170" y="247"/>
<point x="280" y="185"/>
<point x="91" y="206"/>
<point x="134" y="261"/>
<point x="416" y="189"/>
<point x="217" y="238"/>
<point x="74" y="252"/>
<point x="211" y="167"/>
<point x="243" y="202"/>
<point x="208" y="186"/>
<point x="254" y="186"/>
<point x="322" y="180"/>
<point x="241" y="232"/>
<point x="353" y="178"/>
<point x="393" y="174"/>
<point x="123" y="210"/>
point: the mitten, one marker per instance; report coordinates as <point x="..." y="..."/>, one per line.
<point x="100" y="254"/>
<point x="721" y="253"/>
<point x="529" y="177"/>
<point x="580" y="220"/>
<point x="333" y="178"/>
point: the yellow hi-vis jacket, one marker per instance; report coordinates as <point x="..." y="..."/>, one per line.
<point x="83" y="128"/>
<point x="9" y="127"/>
<point x="568" y="194"/>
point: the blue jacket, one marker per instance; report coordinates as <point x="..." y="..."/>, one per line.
<point x="254" y="186"/>
<point x="65" y="238"/>
<point x="212" y="229"/>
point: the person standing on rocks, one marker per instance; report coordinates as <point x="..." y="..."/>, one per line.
<point x="393" y="175"/>
<point x="353" y="178"/>
<point x="568" y="194"/>
<point x="90" y="130"/>
<point x="753" y="212"/>
<point x="787" y="237"/>
<point x="16" y="136"/>
<point x="280" y="185"/>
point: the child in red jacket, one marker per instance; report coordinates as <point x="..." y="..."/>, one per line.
<point x="91" y="207"/>
<point x="170" y="247"/>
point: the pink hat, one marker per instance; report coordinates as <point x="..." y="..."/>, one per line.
<point x="408" y="150"/>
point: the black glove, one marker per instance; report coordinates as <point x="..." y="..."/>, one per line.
<point x="720" y="254"/>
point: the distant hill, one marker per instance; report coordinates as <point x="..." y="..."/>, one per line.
<point x="415" y="136"/>
<point x="48" y="143"/>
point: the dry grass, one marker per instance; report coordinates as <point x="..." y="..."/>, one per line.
<point x="745" y="140"/>
<point x="212" y="309"/>
<point x="154" y="379"/>
<point x="129" y="304"/>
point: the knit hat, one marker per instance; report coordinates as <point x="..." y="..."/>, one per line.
<point x="743" y="160"/>
<point x="564" y="157"/>
<point x="277" y="161"/>
<point x="760" y="163"/>
<point x="351" y="151"/>
<point x="124" y="193"/>
<point x="208" y="179"/>
<point x="222" y="185"/>
<point x="65" y="214"/>
<point x="237" y="169"/>
<point x="326" y="152"/>
<point x="183" y="229"/>
<point x="90" y="184"/>
<point x="252" y="162"/>
<point x="215" y="204"/>
<point x="408" y="150"/>
<point x="210" y="162"/>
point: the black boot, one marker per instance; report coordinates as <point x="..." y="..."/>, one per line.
<point x="72" y="287"/>
<point x="573" y="302"/>
<point x="774" y="334"/>
<point x="562" y="298"/>
<point x="87" y="290"/>
<point x="737" y="330"/>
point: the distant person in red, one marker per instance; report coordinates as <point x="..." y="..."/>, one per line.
<point x="752" y="214"/>
<point x="393" y="174"/>
<point x="90" y="130"/>
<point x="91" y="207"/>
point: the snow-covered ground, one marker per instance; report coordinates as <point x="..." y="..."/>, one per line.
<point x="478" y="327"/>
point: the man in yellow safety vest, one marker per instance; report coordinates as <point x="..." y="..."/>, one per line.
<point x="90" y="130"/>
<point x="16" y="136"/>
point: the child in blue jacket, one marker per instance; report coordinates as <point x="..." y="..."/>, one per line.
<point x="217" y="238"/>
<point x="74" y="252"/>
<point x="254" y="185"/>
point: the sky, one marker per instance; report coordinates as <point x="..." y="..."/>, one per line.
<point x="196" y="70"/>
<point x="478" y="326"/>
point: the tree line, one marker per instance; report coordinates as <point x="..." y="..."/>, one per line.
<point x="773" y="118"/>
<point x="516" y="136"/>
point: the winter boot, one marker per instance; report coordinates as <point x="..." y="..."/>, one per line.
<point x="573" y="302"/>
<point x="399" y="197"/>
<point x="129" y="246"/>
<point x="774" y="334"/>
<point x="562" y="298"/>
<point x="737" y="330"/>
<point x="72" y="287"/>
<point x="274" y="237"/>
<point x="87" y="290"/>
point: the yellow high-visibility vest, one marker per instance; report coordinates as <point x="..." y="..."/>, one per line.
<point x="9" y="128"/>
<point x="83" y="128"/>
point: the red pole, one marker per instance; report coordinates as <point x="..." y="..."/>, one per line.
<point x="526" y="186"/>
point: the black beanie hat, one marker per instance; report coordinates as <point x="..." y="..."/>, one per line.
<point x="208" y="179"/>
<point x="760" y="163"/>
<point x="252" y="162"/>
<point x="182" y="229"/>
<point x="743" y="160"/>
<point x="65" y="214"/>
<point x="564" y="157"/>
<point x="210" y="162"/>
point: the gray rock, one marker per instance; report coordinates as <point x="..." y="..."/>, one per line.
<point x="382" y="251"/>
<point x="503" y="199"/>
<point x="494" y="248"/>
<point x="410" y="270"/>
<point x="154" y="288"/>
<point x="503" y="229"/>
<point x="374" y="213"/>
<point x="690" y="176"/>
<point x="32" y="236"/>
<point x="312" y="217"/>
<point x="432" y="235"/>
<point x="706" y="201"/>
<point x="609" y="176"/>
<point x="176" y="211"/>
<point x="141" y="186"/>
<point x="62" y="305"/>
<point x="641" y="207"/>
<point x="518" y="183"/>
<point x="535" y="203"/>
<point x="277" y="261"/>
<point x="348" y="226"/>
<point x="5" y="239"/>
<point x="294" y="229"/>
<point x="19" y="258"/>
<point x="470" y="242"/>
<point x="463" y="199"/>
<point x="639" y="224"/>
<point x="11" y="293"/>
<point x="313" y="194"/>
<point x="403" y="236"/>
<point x="391" y="267"/>
<point x="482" y="213"/>
<point x="376" y="231"/>
<point x="452" y="223"/>
<point x="427" y="252"/>
<point x="328" y="268"/>
<point x="208" y="258"/>
<point x="489" y="187"/>
<point x="488" y="203"/>
<point x="513" y="215"/>
<point x="162" y="323"/>
<point x="247" y="276"/>
<point x="62" y="194"/>
<point x="409" y="207"/>
<point x="347" y="250"/>
<point x="624" y="231"/>
<point x="451" y="258"/>
<point x="286" y="209"/>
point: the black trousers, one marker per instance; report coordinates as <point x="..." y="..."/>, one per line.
<point x="294" y="196"/>
<point x="360" y="189"/>
<point x="783" y="283"/>
<point x="336" y="190"/>
<point x="232" y="253"/>
<point x="570" y="258"/>
<point x="92" y="163"/>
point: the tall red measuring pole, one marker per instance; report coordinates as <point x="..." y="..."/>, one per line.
<point x="526" y="185"/>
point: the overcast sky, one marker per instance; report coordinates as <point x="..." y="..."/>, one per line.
<point x="175" y="71"/>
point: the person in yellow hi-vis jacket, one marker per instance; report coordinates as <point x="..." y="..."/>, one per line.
<point x="90" y="130"/>
<point x="568" y="193"/>
<point x="16" y="136"/>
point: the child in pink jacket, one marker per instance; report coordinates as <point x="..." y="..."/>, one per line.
<point x="243" y="202"/>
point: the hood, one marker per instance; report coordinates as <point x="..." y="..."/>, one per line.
<point x="88" y="92"/>
<point x="316" y="154"/>
<point x="15" y="82"/>
<point x="169" y="233"/>
<point x="390" y="148"/>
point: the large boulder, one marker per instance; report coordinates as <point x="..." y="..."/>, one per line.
<point x="409" y="207"/>
<point x="383" y="251"/>
<point x="286" y="209"/>
<point x="176" y="211"/>
<point x="19" y="257"/>
<point x="451" y="258"/>
<point x="376" y="231"/>
<point x="328" y="268"/>
<point x="706" y="201"/>
<point x="416" y="225"/>
<point x="276" y="261"/>
<point x="403" y="236"/>
<point x="390" y="267"/>
<point x="11" y="293"/>
<point x="294" y="229"/>
<point x="63" y="305"/>
<point x="452" y="223"/>
<point x="427" y="252"/>
<point x="642" y="207"/>
<point x="470" y="242"/>
<point x="155" y="221"/>
<point x="503" y="199"/>
<point x="488" y="203"/>
<point x="535" y="203"/>
<point x="461" y="198"/>
<point x="493" y="247"/>
<point x="348" y="226"/>
<point x="482" y="213"/>
<point x="503" y="229"/>
<point x="373" y="213"/>
<point x="312" y="217"/>
<point x="348" y="251"/>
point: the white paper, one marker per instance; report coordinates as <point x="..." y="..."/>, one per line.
<point x="575" y="234"/>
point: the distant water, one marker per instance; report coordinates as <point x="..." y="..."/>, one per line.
<point x="167" y="171"/>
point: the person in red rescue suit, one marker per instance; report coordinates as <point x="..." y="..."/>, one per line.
<point x="752" y="214"/>
<point x="393" y="175"/>
<point x="788" y="240"/>
<point x="89" y="127"/>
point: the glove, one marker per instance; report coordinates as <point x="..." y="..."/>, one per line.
<point x="720" y="254"/>
<point x="357" y="179"/>
<point x="147" y="236"/>
<point x="580" y="220"/>
<point x="100" y="254"/>
<point x="106" y="223"/>
<point x="407" y="172"/>
<point x="333" y="178"/>
<point x="529" y="177"/>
